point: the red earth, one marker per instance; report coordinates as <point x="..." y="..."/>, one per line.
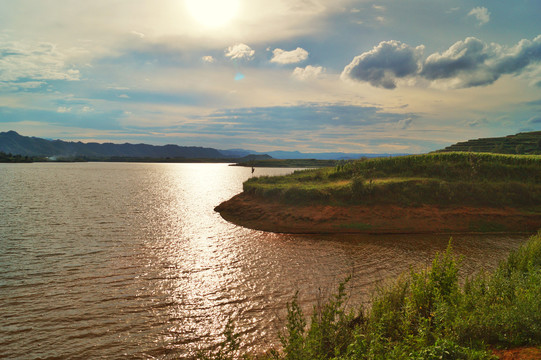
<point x="263" y="214"/>
<point x="524" y="353"/>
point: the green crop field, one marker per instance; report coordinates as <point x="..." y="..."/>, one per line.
<point x="455" y="178"/>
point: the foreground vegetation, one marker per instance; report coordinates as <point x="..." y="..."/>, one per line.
<point x="424" y="315"/>
<point x="439" y="178"/>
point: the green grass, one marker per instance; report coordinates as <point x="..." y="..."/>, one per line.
<point x="422" y="315"/>
<point x="438" y="178"/>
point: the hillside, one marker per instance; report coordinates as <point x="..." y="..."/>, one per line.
<point x="521" y="143"/>
<point x="13" y="143"/>
<point x="440" y="192"/>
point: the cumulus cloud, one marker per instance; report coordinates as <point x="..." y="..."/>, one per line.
<point x="308" y="73"/>
<point x="208" y="59"/>
<point x="289" y="57"/>
<point x="481" y="14"/>
<point x="33" y="61"/>
<point x="462" y="58"/>
<point x="240" y="51"/>
<point x="472" y="62"/>
<point x="384" y="64"/>
<point x="467" y="63"/>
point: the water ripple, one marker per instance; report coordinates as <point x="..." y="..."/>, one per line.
<point x="130" y="261"/>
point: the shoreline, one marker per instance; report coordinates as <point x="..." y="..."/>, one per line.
<point x="268" y="215"/>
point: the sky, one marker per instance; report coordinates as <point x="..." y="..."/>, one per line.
<point x="357" y="76"/>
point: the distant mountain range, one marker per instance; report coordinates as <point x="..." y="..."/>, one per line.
<point x="298" y="155"/>
<point x="13" y="143"/>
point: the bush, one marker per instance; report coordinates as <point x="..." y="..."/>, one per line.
<point x="424" y="315"/>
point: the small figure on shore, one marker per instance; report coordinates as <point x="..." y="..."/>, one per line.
<point x="253" y="169"/>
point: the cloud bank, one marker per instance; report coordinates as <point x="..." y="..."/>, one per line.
<point x="31" y="60"/>
<point x="466" y="63"/>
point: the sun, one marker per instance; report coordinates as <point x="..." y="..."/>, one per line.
<point x="213" y="13"/>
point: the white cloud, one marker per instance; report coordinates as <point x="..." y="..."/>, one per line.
<point x="138" y="34"/>
<point x="354" y="11"/>
<point x="289" y="57"/>
<point x="63" y="109"/>
<point x="208" y="59"/>
<point x="87" y="109"/>
<point x="308" y="73"/>
<point x="124" y="96"/>
<point x="481" y="14"/>
<point x="378" y="7"/>
<point x="240" y="51"/>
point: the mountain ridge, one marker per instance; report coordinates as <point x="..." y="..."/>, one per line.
<point x="12" y="142"/>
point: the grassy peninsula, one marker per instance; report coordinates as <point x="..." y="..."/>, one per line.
<point x="438" y="192"/>
<point x="424" y="315"/>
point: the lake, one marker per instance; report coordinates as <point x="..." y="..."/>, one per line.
<point x="129" y="260"/>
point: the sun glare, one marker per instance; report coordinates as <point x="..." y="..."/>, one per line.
<point x="213" y="13"/>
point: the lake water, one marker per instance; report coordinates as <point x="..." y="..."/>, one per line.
<point x="123" y="260"/>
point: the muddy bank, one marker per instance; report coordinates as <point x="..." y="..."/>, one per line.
<point x="262" y="214"/>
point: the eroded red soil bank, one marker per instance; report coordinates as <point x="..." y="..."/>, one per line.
<point x="262" y="214"/>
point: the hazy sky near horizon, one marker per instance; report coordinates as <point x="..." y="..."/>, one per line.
<point x="308" y="75"/>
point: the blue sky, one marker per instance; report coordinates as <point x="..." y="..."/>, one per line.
<point x="306" y="75"/>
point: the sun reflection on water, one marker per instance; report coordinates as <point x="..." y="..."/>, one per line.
<point x="135" y="262"/>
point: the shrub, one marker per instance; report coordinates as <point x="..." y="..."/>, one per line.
<point x="424" y="315"/>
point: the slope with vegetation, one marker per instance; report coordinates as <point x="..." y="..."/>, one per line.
<point x="435" y="192"/>
<point x="522" y="143"/>
<point x="423" y="315"/>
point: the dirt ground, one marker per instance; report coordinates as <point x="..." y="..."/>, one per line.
<point x="524" y="353"/>
<point x="262" y="214"/>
